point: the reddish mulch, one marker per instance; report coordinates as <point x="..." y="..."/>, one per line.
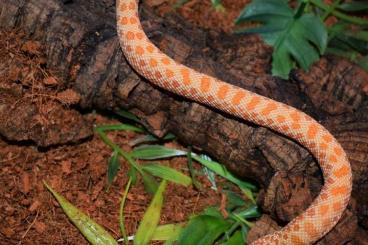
<point x="28" y="213"/>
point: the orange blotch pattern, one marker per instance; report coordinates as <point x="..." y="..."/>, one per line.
<point x="238" y="97"/>
<point x="205" y="84"/>
<point x="139" y="35"/>
<point x="271" y="106"/>
<point x="124" y="20"/>
<point x="253" y="103"/>
<point x="150" y="48"/>
<point x="153" y="62"/>
<point x="169" y="73"/>
<point x="186" y="76"/>
<point x="165" y="61"/>
<point x="312" y="130"/>
<point x="139" y="50"/>
<point x="223" y="90"/>
<point x="130" y="35"/>
<point x="133" y="20"/>
<point x="343" y="171"/>
<point x="132" y="6"/>
<point x="339" y="190"/>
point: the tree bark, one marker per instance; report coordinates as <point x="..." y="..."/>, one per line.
<point x="81" y="45"/>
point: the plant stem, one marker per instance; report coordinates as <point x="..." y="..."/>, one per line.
<point x="116" y="148"/>
<point x="352" y="19"/>
<point x="330" y="9"/>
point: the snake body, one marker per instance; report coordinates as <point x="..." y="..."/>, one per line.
<point x="161" y="70"/>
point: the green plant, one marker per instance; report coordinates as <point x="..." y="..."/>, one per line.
<point x="214" y="226"/>
<point x="299" y="36"/>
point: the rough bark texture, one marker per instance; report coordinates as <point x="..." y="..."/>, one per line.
<point x="81" y="44"/>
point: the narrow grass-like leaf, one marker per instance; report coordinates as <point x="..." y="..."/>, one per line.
<point x="251" y="212"/>
<point x="152" y="152"/>
<point x="167" y="173"/>
<point x="92" y="231"/>
<point x="120" y="127"/>
<point x="151" y="217"/>
<point x="112" y="168"/>
<point x="192" y="172"/>
<point x="223" y="172"/>
<point x="121" y="212"/>
<point x="144" y="139"/>
<point x="248" y="193"/>
<point x="354" y="6"/>
<point x="128" y="115"/>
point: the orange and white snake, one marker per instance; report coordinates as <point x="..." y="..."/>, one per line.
<point x="161" y="70"/>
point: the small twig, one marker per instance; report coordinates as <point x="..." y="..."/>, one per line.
<point x="29" y="227"/>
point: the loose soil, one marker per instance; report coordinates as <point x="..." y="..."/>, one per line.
<point x="76" y="165"/>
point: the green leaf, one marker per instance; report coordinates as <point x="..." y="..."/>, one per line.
<point x="233" y="200"/>
<point x="92" y="231"/>
<point x="235" y="239"/>
<point x="203" y="230"/>
<point x="151" y="217"/>
<point x="218" y="5"/>
<point x="150" y="184"/>
<point x="132" y="173"/>
<point x="251" y="212"/>
<point x="121" y="211"/>
<point x="152" y="152"/>
<point x="167" y="173"/>
<point x="249" y="194"/>
<point x="113" y="167"/>
<point x="192" y="172"/>
<point x="119" y="127"/>
<point x="301" y="39"/>
<point x="167" y="232"/>
<point x="150" y="139"/>
<point x="128" y="115"/>
<point x="354" y="6"/>
<point x="223" y="172"/>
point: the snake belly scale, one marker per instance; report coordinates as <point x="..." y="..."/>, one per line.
<point x="161" y="70"/>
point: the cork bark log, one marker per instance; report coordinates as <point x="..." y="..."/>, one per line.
<point x="81" y="44"/>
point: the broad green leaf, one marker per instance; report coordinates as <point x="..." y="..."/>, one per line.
<point x="203" y="230"/>
<point x="150" y="184"/>
<point x="235" y="239"/>
<point x="223" y="172"/>
<point x="113" y="167"/>
<point x="167" y="173"/>
<point x="152" y="152"/>
<point x="294" y="38"/>
<point x="151" y="217"/>
<point x="92" y="231"/>
<point x="213" y="211"/>
<point x="167" y="232"/>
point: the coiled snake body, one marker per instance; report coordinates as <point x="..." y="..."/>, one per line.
<point x="327" y="208"/>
